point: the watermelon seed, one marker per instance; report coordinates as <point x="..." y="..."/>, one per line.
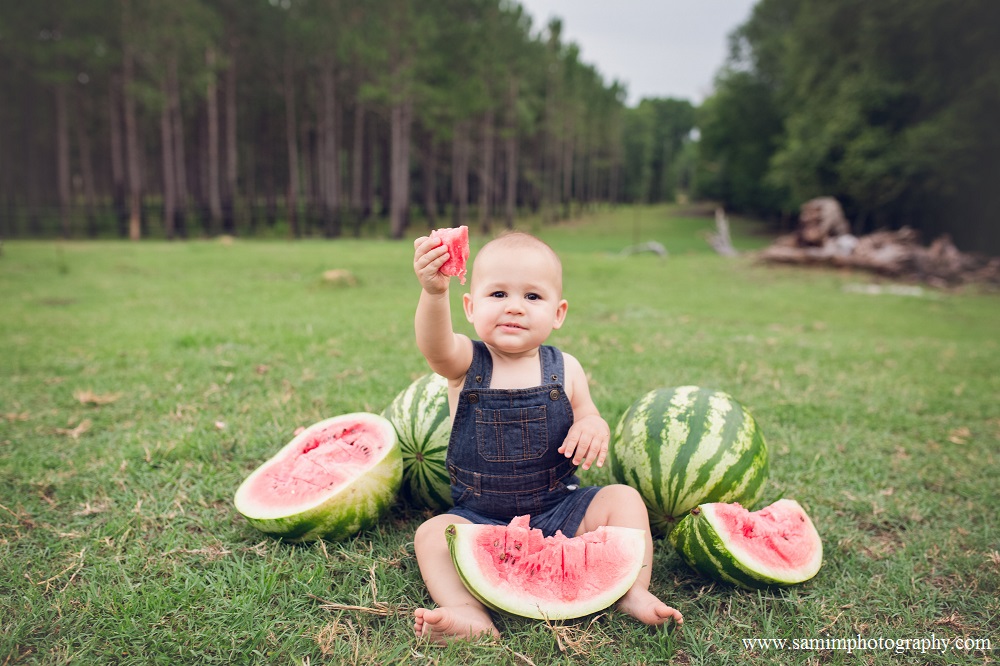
<point x="496" y="543"/>
<point x="517" y="545"/>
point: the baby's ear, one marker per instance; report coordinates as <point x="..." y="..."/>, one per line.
<point x="467" y="306"/>
<point x="561" y="313"/>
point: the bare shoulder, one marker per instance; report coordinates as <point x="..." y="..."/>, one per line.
<point x="577" y="387"/>
<point x="572" y="366"/>
<point x="576" y="377"/>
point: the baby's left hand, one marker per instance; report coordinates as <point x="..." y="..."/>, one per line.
<point x="587" y="441"/>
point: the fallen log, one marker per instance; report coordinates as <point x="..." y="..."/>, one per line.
<point x="896" y="254"/>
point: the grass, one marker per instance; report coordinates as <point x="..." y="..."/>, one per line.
<point x="140" y="383"/>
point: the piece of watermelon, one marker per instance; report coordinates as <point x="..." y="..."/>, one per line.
<point x="777" y="545"/>
<point x="457" y="240"/>
<point x="331" y="481"/>
<point x="515" y="569"/>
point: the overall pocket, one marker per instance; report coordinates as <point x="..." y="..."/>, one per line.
<point x="511" y="435"/>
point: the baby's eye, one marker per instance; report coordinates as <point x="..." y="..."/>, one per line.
<point x="498" y="294"/>
<point x="532" y="297"/>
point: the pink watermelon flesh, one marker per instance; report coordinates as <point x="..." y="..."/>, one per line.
<point x="778" y="536"/>
<point x="521" y="571"/>
<point x="457" y="240"/>
<point x="324" y="460"/>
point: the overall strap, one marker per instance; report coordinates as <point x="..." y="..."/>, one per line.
<point x="481" y="370"/>
<point x="553" y="368"/>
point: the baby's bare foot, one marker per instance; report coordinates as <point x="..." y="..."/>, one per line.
<point x="444" y="624"/>
<point x="645" y="607"/>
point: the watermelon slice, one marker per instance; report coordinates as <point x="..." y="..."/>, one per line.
<point x="515" y="569"/>
<point x="457" y="240"/>
<point x="331" y="481"/>
<point x="777" y="545"/>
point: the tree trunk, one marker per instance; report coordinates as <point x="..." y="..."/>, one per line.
<point x="169" y="173"/>
<point x="357" y="166"/>
<point x="212" y="100"/>
<point x="511" y="154"/>
<point x="460" y="173"/>
<point x="430" y="180"/>
<point x="62" y="161"/>
<point x="486" y="173"/>
<point x="232" y="154"/>
<point x="117" y="153"/>
<point x="402" y="112"/>
<point x="370" y="148"/>
<point x="291" y="140"/>
<point x="567" y="167"/>
<point x="330" y="168"/>
<point x="131" y="131"/>
<point x="86" y="166"/>
<point x="180" y="162"/>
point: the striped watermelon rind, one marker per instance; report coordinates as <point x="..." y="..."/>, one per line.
<point x="341" y="514"/>
<point x="423" y="425"/>
<point x="685" y="446"/>
<point x="701" y="540"/>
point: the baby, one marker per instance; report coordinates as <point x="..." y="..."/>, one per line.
<point x="522" y="421"/>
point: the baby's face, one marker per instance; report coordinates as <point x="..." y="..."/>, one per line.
<point x="515" y="299"/>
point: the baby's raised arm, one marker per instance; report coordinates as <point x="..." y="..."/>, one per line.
<point x="448" y="353"/>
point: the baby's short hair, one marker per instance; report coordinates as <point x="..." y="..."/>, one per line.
<point x="519" y="239"/>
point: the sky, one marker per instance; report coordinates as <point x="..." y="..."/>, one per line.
<point x="658" y="48"/>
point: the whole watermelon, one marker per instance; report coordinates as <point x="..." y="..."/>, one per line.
<point x="685" y="446"/>
<point x="423" y="426"/>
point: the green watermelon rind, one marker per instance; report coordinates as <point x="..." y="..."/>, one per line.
<point x="355" y="507"/>
<point x="462" y="542"/>
<point x="669" y="445"/>
<point x="422" y="421"/>
<point x="700" y="541"/>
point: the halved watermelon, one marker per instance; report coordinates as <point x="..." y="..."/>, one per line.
<point x="457" y="240"/>
<point x="331" y="481"/>
<point x="777" y="545"/>
<point x="515" y="569"/>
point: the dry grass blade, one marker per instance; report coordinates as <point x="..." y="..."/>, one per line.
<point x="88" y="397"/>
<point x="380" y="608"/>
<point x="75" y="433"/>
<point x="74" y="567"/>
<point x="578" y="640"/>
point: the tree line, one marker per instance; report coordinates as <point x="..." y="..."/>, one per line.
<point x="202" y="116"/>
<point x="889" y="106"/>
<point x="330" y="117"/>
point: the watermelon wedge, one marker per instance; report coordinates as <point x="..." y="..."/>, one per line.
<point x="515" y="569"/>
<point x="777" y="545"/>
<point x="331" y="481"/>
<point x="457" y="240"/>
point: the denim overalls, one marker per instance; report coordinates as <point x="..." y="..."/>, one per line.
<point x="502" y="456"/>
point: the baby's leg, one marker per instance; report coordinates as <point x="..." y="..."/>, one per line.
<point x="622" y="506"/>
<point x="459" y="614"/>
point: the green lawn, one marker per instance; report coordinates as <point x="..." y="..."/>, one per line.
<point x="140" y="383"/>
